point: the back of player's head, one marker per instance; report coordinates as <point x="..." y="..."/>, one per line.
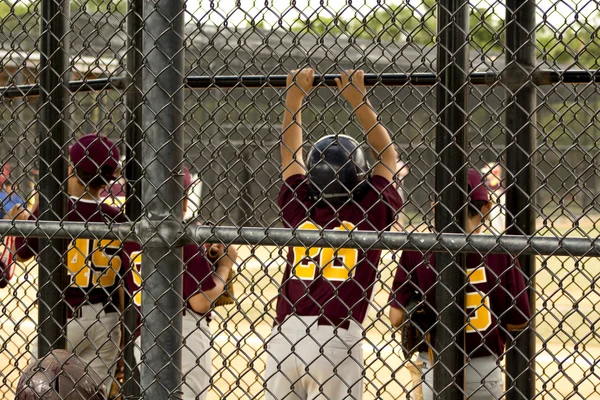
<point x="337" y="168"/>
<point x="478" y="192"/>
<point x="57" y="376"/>
<point x="95" y="159"/>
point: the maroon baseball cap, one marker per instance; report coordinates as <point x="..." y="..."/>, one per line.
<point x="477" y="188"/>
<point x="95" y="154"/>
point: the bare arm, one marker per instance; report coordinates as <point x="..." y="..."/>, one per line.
<point x="299" y="83"/>
<point x="396" y="316"/>
<point x="201" y="302"/>
<point x="352" y="87"/>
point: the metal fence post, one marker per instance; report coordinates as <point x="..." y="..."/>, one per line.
<point x="450" y="185"/>
<point x="133" y="172"/>
<point x="162" y="191"/>
<point x="520" y="198"/>
<point x="54" y="77"/>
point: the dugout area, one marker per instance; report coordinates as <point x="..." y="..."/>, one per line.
<point x="508" y="88"/>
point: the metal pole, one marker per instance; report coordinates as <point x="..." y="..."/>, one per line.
<point x="133" y="171"/>
<point x="450" y="186"/>
<point x="133" y="174"/>
<point x="162" y="191"/>
<point x="54" y="77"/>
<point x="541" y="77"/>
<point x="520" y="196"/>
<point x="455" y="242"/>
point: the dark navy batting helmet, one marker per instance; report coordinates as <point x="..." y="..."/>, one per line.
<point x="337" y="168"/>
<point x="60" y="375"/>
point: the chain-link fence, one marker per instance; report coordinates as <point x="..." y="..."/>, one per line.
<point x="168" y="134"/>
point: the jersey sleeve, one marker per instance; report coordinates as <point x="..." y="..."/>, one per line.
<point x="27" y="248"/>
<point x="518" y="300"/>
<point x="293" y="200"/>
<point x="7" y="265"/>
<point x="198" y="272"/>
<point x="404" y="284"/>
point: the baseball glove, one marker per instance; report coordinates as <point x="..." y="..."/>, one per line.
<point x="227" y="298"/>
<point x="416" y="327"/>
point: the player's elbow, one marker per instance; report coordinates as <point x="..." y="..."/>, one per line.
<point x="396" y="316"/>
<point x="200" y="303"/>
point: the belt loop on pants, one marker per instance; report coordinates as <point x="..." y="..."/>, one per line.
<point x="335" y="322"/>
<point x="74" y="314"/>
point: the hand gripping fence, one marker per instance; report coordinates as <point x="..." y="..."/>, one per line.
<point x="187" y="258"/>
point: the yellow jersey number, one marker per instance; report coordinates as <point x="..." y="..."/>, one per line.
<point x="93" y="263"/>
<point x="136" y="270"/>
<point x="482" y="317"/>
<point x="336" y="263"/>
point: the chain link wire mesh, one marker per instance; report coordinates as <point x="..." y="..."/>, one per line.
<point x="230" y="139"/>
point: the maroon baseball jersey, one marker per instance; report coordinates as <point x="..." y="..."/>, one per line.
<point x="335" y="283"/>
<point x="197" y="274"/>
<point x="7" y="265"/>
<point x="496" y="296"/>
<point x="94" y="266"/>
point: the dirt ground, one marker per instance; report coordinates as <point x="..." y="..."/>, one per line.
<point x="568" y="348"/>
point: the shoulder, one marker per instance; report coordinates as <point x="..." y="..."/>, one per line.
<point x="294" y="182"/>
<point x="293" y="199"/>
<point x="383" y="190"/>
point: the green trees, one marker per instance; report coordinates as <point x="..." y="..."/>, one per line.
<point x="575" y="44"/>
<point x="21" y="9"/>
<point x="404" y="22"/>
<point x="383" y="23"/>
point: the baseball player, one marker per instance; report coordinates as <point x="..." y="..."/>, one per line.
<point x="496" y="302"/>
<point x="204" y="278"/>
<point x="57" y="376"/>
<point x="93" y="328"/>
<point x="314" y="350"/>
<point x="8" y="197"/>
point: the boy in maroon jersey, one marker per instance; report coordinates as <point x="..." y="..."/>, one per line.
<point x="203" y="283"/>
<point x="315" y="347"/>
<point x="93" y="327"/>
<point x="496" y="302"/>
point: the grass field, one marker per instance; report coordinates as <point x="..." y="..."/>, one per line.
<point x="568" y="346"/>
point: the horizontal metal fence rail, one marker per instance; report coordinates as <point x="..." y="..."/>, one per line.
<point x="455" y="242"/>
<point x="539" y="77"/>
